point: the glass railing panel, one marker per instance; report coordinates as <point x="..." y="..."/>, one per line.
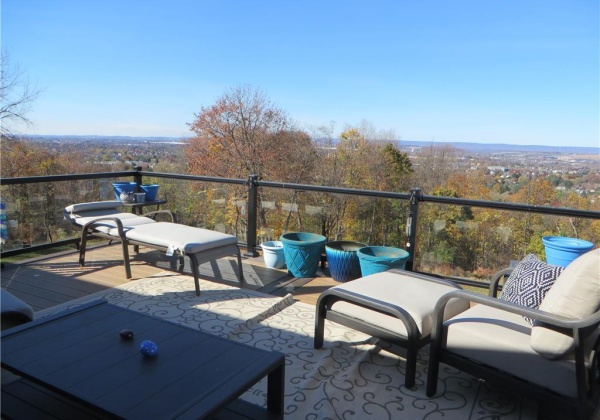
<point x="368" y="220"/>
<point x="475" y="243"/>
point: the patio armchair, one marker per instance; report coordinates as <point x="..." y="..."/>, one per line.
<point x="548" y="353"/>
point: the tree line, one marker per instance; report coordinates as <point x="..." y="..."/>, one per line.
<point x="244" y="133"/>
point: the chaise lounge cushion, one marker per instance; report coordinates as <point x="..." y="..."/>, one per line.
<point x="128" y="220"/>
<point x="186" y="239"/>
<point x="14" y="310"/>
<point x="95" y="205"/>
<point x="575" y="294"/>
<point x="501" y="339"/>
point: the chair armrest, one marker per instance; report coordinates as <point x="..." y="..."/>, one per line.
<point x="90" y="225"/>
<point x="545" y="317"/>
<point x="156" y="212"/>
<point x="495" y="281"/>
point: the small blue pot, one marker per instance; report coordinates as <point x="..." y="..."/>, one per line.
<point x="151" y="191"/>
<point x="562" y="250"/>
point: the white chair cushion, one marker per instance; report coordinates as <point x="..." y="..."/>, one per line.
<point x="187" y="239"/>
<point x="501" y="339"/>
<point x="416" y="296"/>
<point x="575" y="294"/>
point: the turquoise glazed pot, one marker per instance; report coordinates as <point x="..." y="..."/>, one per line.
<point x="375" y="259"/>
<point x="342" y="260"/>
<point x="561" y="250"/>
<point x="302" y="252"/>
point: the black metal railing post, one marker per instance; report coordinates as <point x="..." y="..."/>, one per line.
<point x="252" y="214"/>
<point x="137" y="178"/>
<point x="411" y="226"/>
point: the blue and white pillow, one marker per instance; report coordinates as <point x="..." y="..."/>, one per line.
<point x="529" y="282"/>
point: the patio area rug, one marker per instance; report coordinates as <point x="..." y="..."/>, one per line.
<point x="352" y="377"/>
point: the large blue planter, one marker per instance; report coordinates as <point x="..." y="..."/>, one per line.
<point x="302" y="252"/>
<point x="342" y="260"/>
<point x="561" y="250"/>
<point x="119" y="187"/>
<point x="375" y="259"/>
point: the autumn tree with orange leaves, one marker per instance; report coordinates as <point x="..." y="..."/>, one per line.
<point x="243" y="133"/>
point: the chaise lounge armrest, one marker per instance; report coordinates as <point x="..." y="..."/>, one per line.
<point x="157" y="212"/>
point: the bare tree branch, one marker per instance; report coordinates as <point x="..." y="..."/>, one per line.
<point x="16" y="97"/>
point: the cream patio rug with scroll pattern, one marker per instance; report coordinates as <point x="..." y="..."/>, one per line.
<point x="352" y="377"/>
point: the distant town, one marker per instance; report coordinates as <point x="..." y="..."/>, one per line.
<point x="567" y="167"/>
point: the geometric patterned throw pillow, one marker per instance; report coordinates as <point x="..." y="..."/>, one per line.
<point x="529" y="282"/>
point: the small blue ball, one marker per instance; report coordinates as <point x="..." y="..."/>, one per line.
<point x="148" y="348"/>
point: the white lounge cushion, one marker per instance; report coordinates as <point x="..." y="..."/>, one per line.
<point x="187" y="239"/>
<point x="501" y="339"/>
<point x="96" y="205"/>
<point x="129" y="220"/>
<point x="416" y="296"/>
<point x="575" y="294"/>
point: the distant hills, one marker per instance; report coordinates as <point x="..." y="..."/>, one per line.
<point x="499" y="147"/>
<point x="468" y="147"/>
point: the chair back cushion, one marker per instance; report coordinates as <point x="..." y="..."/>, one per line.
<point x="575" y="294"/>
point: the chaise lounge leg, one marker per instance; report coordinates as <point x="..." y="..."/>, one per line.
<point x="195" y="272"/>
<point x="240" y="271"/>
<point x="126" y="259"/>
<point x="82" y="246"/>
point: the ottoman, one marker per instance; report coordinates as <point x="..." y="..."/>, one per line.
<point x="395" y="305"/>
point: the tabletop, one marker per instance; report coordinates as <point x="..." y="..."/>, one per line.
<point x="81" y="353"/>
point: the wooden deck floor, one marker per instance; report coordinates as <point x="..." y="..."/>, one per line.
<point x="47" y="281"/>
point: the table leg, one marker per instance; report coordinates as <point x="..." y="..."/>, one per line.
<point x="275" y="390"/>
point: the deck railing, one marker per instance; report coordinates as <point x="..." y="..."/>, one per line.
<point x="253" y="186"/>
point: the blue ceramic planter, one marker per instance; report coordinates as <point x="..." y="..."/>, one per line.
<point x="151" y="191"/>
<point x="342" y="260"/>
<point x="561" y="250"/>
<point x="375" y="259"/>
<point x="302" y="252"/>
<point x="120" y="187"/>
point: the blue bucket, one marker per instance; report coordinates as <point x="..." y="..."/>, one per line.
<point x="561" y="250"/>
<point x="151" y="191"/>
<point x="375" y="259"/>
<point x="302" y="251"/>
<point x="342" y="260"/>
<point x="119" y="187"/>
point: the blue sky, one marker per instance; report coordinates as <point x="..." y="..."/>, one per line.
<point x="488" y="71"/>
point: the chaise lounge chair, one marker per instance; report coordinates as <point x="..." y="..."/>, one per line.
<point x="555" y="360"/>
<point x="104" y="219"/>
